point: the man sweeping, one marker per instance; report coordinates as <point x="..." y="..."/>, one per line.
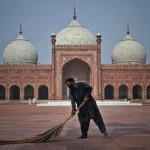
<point x="79" y="93"/>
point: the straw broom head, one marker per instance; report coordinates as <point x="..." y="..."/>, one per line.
<point x="50" y="135"/>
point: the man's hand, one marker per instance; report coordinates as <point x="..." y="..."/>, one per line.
<point x="73" y="112"/>
<point x="86" y="99"/>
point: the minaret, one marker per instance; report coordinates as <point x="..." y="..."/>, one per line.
<point x="53" y="41"/>
<point x="99" y="71"/>
<point x="99" y="40"/>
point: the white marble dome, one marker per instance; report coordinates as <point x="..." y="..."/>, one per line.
<point x="20" y="51"/>
<point x="75" y="34"/>
<point x="128" y="51"/>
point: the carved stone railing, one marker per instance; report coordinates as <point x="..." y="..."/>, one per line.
<point x="74" y="47"/>
<point x="25" y="66"/>
<point x="125" y="66"/>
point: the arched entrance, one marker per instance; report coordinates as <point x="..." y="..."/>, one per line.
<point x="148" y="92"/>
<point x="2" y="92"/>
<point x="123" y="92"/>
<point x="14" y="92"/>
<point x="28" y="92"/>
<point x="77" y="69"/>
<point x="137" y="92"/>
<point x="43" y="92"/>
<point x="109" y="92"/>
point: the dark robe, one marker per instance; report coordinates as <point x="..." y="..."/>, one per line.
<point x="89" y="110"/>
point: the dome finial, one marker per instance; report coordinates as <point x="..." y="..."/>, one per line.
<point x="20" y="30"/>
<point x="128" y="30"/>
<point x="74" y="17"/>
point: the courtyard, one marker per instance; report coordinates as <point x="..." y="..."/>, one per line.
<point x="128" y="127"/>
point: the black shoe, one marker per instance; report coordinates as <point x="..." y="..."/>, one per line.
<point x="83" y="137"/>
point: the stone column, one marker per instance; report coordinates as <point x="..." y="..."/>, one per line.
<point x="115" y="92"/>
<point x="99" y="71"/>
<point x="7" y="92"/>
<point x="144" y="92"/>
<point x="130" y="95"/>
<point x="36" y="87"/>
<point x="21" y="93"/>
<point x="53" y="41"/>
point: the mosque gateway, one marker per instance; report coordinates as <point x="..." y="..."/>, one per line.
<point x="76" y="53"/>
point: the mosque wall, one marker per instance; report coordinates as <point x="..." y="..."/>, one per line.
<point x="133" y="79"/>
<point x="117" y="81"/>
<point x="22" y="79"/>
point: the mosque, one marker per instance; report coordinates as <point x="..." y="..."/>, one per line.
<point x="76" y="53"/>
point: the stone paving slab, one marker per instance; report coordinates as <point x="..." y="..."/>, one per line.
<point x="128" y="128"/>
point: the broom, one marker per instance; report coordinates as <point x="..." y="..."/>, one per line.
<point x="50" y="135"/>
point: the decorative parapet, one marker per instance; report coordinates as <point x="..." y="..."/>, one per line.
<point x="25" y="66"/>
<point x="125" y="66"/>
<point x="75" y="47"/>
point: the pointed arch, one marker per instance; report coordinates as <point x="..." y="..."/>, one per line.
<point x="123" y="92"/>
<point x="2" y="93"/>
<point x="137" y="92"/>
<point x="148" y="92"/>
<point x="43" y="92"/>
<point x="14" y="92"/>
<point x="77" y="69"/>
<point x="28" y="92"/>
<point x="69" y="59"/>
<point x="109" y="92"/>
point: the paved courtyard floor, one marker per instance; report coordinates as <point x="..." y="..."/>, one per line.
<point x="128" y="128"/>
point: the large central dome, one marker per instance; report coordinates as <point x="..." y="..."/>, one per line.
<point x="75" y="34"/>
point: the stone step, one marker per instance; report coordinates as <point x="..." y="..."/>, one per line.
<point x="99" y="103"/>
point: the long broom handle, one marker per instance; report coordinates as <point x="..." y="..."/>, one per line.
<point x="76" y="111"/>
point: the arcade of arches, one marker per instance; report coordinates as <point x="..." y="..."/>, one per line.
<point x="43" y="90"/>
<point x="123" y="92"/>
<point x="28" y="92"/>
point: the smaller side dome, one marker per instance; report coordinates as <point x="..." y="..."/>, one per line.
<point x="128" y="51"/>
<point x="20" y="51"/>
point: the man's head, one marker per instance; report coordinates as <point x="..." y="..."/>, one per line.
<point x="70" y="83"/>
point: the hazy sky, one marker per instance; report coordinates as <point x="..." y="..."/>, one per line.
<point x="41" y="18"/>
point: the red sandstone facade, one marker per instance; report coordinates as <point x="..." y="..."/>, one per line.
<point x="83" y="63"/>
